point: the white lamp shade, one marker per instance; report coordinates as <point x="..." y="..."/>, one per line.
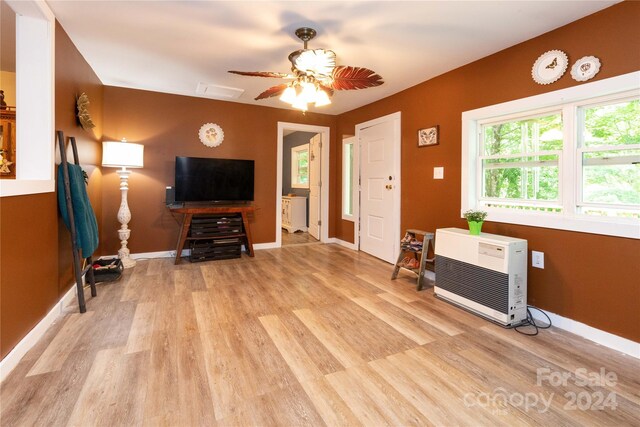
<point x="322" y="98"/>
<point x="289" y="95"/>
<point x="116" y="154"/>
<point x="300" y="104"/>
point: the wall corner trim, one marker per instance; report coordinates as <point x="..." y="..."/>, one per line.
<point x="12" y="359"/>
<point x="598" y="336"/>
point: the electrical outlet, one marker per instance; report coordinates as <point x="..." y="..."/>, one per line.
<point x="537" y="259"/>
<point x="438" y="172"/>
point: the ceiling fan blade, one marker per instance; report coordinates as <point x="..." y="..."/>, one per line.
<point x="272" y="91"/>
<point x="350" y="78"/>
<point x="263" y="74"/>
<point x="327" y="89"/>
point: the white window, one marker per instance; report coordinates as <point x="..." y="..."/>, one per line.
<point x="348" y="178"/>
<point x="300" y="166"/>
<point x="520" y="161"/>
<point x="568" y="159"/>
<point x="609" y="152"/>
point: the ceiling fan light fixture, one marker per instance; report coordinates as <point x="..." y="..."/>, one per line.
<point x="289" y="95"/>
<point x="315" y="76"/>
<point x="319" y="62"/>
<point x="322" y="98"/>
<point x="300" y="104"/>
<point x="309" y="92"/>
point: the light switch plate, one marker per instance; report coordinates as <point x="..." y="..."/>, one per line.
<point x="438" y="172"/>
<point x="537" y="259"/>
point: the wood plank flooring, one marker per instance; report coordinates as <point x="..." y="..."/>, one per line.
<point x="306" y="335"/>
<point x="297" y="238"/>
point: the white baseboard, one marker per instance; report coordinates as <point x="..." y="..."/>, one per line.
<point x="152" y="255"/>
<point x="260" y="246"/>
<point x="341" y="242"/>
<point x="185" y="252"/>
<point x="159" y="254"/>
<point x="604" y="338"/>
<point x="12" y="359"/>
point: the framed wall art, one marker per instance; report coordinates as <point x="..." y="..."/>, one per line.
<point x="428" y="136"/>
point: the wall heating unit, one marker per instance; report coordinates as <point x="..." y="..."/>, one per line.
<point x="485" y="274"/>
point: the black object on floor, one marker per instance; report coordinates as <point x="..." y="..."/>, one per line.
<point x="108" y="269"/>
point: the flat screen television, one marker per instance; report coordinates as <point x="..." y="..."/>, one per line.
<point x="213" y="180"/>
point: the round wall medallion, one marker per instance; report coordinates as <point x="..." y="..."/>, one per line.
<point x="211" y="134"/>
<point x="549" y="67"/>
<point x="585" y="68"/>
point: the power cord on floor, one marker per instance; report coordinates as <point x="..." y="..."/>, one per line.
<point x="530" y="322"/>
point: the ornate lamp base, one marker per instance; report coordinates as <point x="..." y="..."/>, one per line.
<point x="124" y="216"/>
<point x="123" y="252"/>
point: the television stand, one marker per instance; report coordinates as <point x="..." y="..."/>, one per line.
<point x="190" y="211"/>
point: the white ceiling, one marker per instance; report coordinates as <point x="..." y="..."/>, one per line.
<point x="171" y="46"/>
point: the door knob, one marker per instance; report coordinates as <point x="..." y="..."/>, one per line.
<point x="388" y="187"/>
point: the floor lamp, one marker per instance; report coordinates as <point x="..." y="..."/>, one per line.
<point x="123" y="155"/>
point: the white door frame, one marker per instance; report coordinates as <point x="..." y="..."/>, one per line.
<point x="397" y="143"/>
<point x="324" y="177"/>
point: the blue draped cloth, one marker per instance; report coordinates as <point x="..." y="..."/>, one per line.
<point x="83" y="215"/>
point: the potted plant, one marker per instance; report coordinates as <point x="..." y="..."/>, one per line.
<point x="475" y="220"/>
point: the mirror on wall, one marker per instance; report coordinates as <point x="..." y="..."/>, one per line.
<point x="7" y="91"/>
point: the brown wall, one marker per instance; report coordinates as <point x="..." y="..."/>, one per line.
<point x="73" y="77"/>
<point x="589" y="278"/>
<point x="167" y="125"/>
<point x="35" y="249"/>
<point x="28" y="264"/>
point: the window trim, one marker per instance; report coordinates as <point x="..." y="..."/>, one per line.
<point x="568" y="100"/>
<point x="294" y="166"/>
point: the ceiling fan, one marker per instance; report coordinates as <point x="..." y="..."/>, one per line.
<point x="315" y="76"/>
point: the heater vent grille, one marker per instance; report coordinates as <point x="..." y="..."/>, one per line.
<point x="487" y="287"/>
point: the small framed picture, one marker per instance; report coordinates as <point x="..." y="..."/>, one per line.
<point x="428" y="136"/>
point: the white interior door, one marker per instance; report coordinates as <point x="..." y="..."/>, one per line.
<point x="378" y="191"/>
<point x="315" y="144"/>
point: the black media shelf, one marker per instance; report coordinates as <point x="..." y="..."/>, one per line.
<point x="215" y="237"/>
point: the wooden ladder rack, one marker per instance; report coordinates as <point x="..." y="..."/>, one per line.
<point x="78" y="270"/>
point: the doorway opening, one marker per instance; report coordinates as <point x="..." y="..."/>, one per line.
<point x="302" y="185"/>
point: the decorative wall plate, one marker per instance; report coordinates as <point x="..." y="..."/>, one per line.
<point x="585" y="68"/>
<point x="549" y="67"/>
<point x="82" y="112"/>
<point x="211" y="134"/>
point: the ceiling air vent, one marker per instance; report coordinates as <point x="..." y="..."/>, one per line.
<point x="215" y="91"/>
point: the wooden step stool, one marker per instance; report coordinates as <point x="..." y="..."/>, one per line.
<point x="427" y="241"/>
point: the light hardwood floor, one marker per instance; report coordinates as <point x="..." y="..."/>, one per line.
<point x="297" y="238"/>
<point x="303" y="336"/>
